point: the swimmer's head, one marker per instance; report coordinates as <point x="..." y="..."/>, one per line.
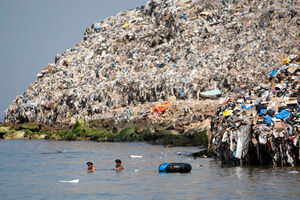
<point x="118" y="162"/>
<point x="90" y="165"/>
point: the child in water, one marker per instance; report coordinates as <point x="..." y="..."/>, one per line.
<point x="118" y="166"/>
<point x="90" y="167"/>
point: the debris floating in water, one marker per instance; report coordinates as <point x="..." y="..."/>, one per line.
<point x="293" y="172"/>
<point x="135" y="156"/>
<point x="71" y="181"/>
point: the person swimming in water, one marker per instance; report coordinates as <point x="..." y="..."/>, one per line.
<point x="90" y="167"/>
<point x="118" y="166"/>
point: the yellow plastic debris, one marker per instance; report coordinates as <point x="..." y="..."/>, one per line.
<point x="227" y="113"/>
<point x="126" y="24"/>
<point x="286" y="61"/>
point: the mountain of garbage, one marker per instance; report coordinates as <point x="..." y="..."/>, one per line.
<point x="162" y="64"/>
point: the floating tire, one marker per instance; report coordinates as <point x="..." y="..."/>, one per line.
<point x="175" y="168"/>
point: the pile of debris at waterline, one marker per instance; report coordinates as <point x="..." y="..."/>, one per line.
<point x="168" y="50"/>
<point x="262" y="126"/>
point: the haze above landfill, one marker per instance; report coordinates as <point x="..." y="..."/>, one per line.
<point x="164" y="51"/>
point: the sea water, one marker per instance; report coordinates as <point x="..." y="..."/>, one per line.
<point x="39" y="169"/>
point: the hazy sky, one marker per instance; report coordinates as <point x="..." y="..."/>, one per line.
<point x="32" y="32"/>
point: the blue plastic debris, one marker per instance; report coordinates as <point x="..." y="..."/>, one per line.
<point x="283" y="114"/>
<point x="274" y="73"/>
<point x="181" y="92"/>
<point x="249" y="107"/>
<point x="268" y="119"/>
<point x="96" y="27"/>
<point x="245" y="107"/>
<point x="262" y="112"/>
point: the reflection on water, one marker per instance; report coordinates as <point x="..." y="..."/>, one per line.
<point x="33" y="169"/>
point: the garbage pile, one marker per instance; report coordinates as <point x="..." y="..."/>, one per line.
<point x="262" y="126"/>
<point x="168" y="49"/>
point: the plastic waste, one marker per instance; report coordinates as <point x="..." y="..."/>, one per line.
<point x="283" y="114"/>
<point x="135" y="156"/>
<point x="71" y="181"/>
<point x="272" y="112"/>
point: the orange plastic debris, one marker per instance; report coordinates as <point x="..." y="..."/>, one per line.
<point x="161" y="108"/>
<point x="47" y="68"/>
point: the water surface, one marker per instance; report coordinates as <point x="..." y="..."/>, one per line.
<point x="32" y="169"/>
